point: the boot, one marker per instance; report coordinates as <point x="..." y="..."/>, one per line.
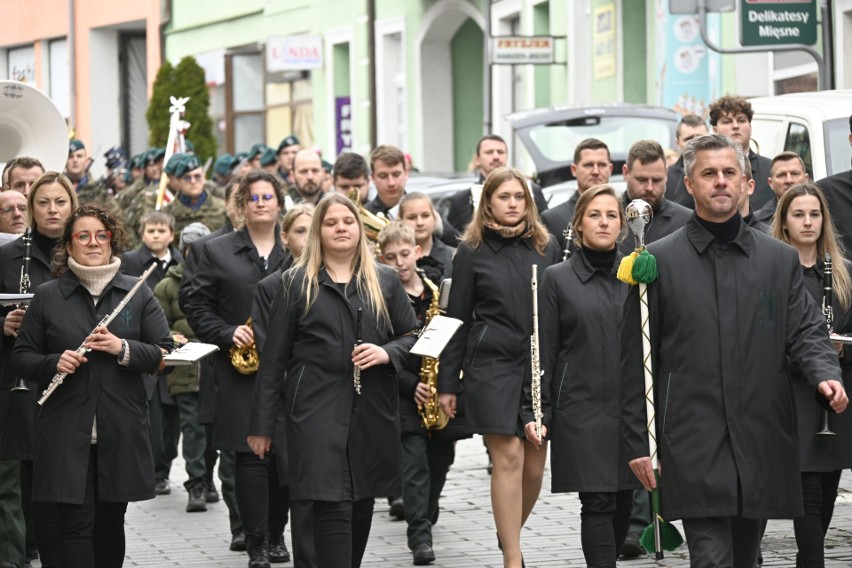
<point x="196" y="497"/>
<point x="210" y="493"/>
<point x="278" y="552"/>
<point x="258" y="550"/>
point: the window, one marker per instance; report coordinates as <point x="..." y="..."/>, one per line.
<point x="244" y="100"/>
<point x="289" y="107"/>
<point x="799" y="141"/>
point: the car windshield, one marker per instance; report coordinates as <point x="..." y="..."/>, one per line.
<point x="838" y="150"/>
<point x="556" y="141"/>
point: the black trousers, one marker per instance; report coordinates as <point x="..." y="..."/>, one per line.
<point x="92" y="534"/>
<point x="341" y="531"/>
<point x="819" y="491"/>
<point x="605" y="518"/>
<point x="425" y="463"/>
<point x="723" y="542"/>
<point x="263" y="504"/>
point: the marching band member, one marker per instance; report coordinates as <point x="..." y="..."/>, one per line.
<point x="417" y="211"/>
<point x="491" y="295"/>
<point x="580" y="313"/>
<point x="339" y="401"/>
<point x="50" y="202"/>
<point x="92" y="452"/>
<point x="219" y="305"/>
<point x="803" y="221"/>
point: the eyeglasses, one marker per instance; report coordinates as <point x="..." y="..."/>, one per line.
<point x="84" y="237"/>
<point x="255" y="198"/>
<point x="192" y="177"/>
<point x="9" y="209"/>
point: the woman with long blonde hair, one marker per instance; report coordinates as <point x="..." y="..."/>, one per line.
<point x="339" y="401"/>
<point x="491" y="294"/>
<point x="802" y="219"/>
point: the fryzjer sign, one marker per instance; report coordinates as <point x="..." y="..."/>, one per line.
<point x="515" y="50"/>
<point x="778" y="22"/>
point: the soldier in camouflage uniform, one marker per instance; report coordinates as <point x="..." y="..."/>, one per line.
<point x="153" y="167"/>
<point x="193" y="203"/>
<point x="77" y="170"/>
<point x="140" y="198"/>
<point x="269" y="161"/>
<point x="287" y="151"/>
<point x="223" y="171"/>
<point x="255" y="154"/>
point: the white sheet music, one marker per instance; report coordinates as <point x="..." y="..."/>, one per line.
<point x="12" y="299"/>
<point x="190" y="353"/>
<point x="436" y="336"/>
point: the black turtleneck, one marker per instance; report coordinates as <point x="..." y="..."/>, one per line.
<point x="726" y="231"/>
<point x="44" y="244"/>
<point x="600" y="259"/>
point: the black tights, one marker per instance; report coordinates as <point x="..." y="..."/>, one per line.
<point x="341" y="530"/>
<point x="605" y="518"/>
<point x="262" y="502"/>
<point x="92" y="534"/>
<point x="819" y="491"/>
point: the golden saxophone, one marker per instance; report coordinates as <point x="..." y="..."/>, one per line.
<point x="245" y="359"/>
<point x="433" y="416"/>
<point x="373" y="223"/>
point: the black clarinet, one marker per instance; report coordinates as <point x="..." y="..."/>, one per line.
<point x="568" y="235"/>
<point x="356" y="379"/>
<point x="24" y="288"/>
<point x="825" y="428"/>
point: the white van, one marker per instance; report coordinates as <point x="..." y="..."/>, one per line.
<point x="814" y="125"/>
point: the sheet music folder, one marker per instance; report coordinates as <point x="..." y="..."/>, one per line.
<point x="435" y="337"/>
<point x="190" y="354"/>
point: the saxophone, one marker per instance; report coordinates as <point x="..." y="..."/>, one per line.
<point x="431" y="413"/>
<point x="245" y="359"/>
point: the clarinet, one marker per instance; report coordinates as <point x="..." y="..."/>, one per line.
<point x="356" y="378"/>
<point x="568" y="235"/>
<point x="59" y="377"/>
<point x="825" y="428"/>
<point x="24" y="283"/>
<point x="534" y="356"/>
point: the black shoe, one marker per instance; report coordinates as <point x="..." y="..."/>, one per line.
<point x="423" y="554"/>
<point x="397" y="509"/>
<point x="32" y="553"/>
<point x="196" y="502"/>
<point x="631" y="547"/>
<point x="258" y="550"/>
<point x="210" y="493"/>
<point x="238" y="542"/>
<point x="162" y="487"/>
<point x="278" y="549"/>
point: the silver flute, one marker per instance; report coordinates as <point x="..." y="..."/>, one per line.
<point x="534" y="356"/>
<point x="59" y="377"/>
<point x="356" y="377"/>
<point x="568" y="235"/>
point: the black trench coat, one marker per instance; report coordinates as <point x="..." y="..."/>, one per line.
<point x="17" y="410"/>
<point x="492" y="295"/>
<point x="824" y="453"/>
<point x="310" y="358"/>
<point x="579" y="318"/>
<point x="60" y="317"/>
<point x="219" y="300"/>
<point x="724" y="318"/>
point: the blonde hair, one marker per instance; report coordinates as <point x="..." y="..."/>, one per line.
<point x="583" y="204"/>
<point x="49" y="178"/>
<point x="364" y="268"/>
<point x="294" y="213"/>
<point x="473" y="235"/>
<point x="827" y="241"/>
<point x="396" y="232"/>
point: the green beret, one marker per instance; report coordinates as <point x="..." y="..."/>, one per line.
<point x="256" y="150"/>
<point x="241" y="157"/>
<point x="187" y="164"/>
<point x="224" y="164"/>
<point x="75" y="145"/>
<point x="190" y="147"/>
<point x="154" y="155"/>
<point x="173" y="163"/>
<point x="327" y="166"/>
<point x="269" y="157"/>
<point x="138" y="161"/>
<point x="289" y="141"/>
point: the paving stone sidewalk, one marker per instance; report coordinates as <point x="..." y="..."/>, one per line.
<point x="161" y="534"/>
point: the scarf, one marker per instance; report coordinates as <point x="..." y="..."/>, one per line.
<point x="95" y="278"/>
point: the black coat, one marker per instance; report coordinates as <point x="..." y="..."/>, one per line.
<point x="17" y="410"/>
<point x="556" y="219"/>
<point x="60" y="317"/>
<point x="760" y="166"/>
<point x="450" y="235"/>
<point x="460" y="206"/>
<point x="766" y="213"/>
<point x="443" y="253"/>
<point x="723" y="320"/>
<point x="492" y="295"/>
<point x="838" y="192"/>
<point x="137" y="261"/>
<point x="667" y="219"/>
<point x="579" y="317"/>
<point x="219" y="300"/>
<point x="823" y="453"/>
<point x="310" y="359"/>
